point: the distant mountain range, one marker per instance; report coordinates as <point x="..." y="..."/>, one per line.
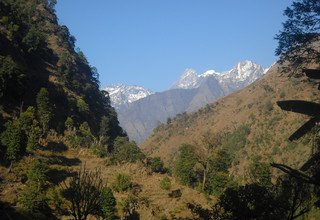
<point x="140" y="110"/>
<point x="123" y="94"/>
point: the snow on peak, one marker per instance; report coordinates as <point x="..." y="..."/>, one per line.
<point x="244" y="71"/>
<point x="209" y="73"/>
<point x="189" y="79"/>
<point x="122" y="94"/>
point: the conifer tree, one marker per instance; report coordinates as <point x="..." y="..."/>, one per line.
<point x="43" y="109"/>
<point x="14" y="141"/>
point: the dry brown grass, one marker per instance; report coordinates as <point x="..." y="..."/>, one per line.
<point x="254" y="106"/>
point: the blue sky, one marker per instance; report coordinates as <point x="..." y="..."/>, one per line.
<point x="151" y="42"/>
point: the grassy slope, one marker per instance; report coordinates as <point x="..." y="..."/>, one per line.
<point x="64" y="161"/>
<point x="254" y="106"/>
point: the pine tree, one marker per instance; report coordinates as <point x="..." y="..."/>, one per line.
<point x="14" y="141"/>
<point x="43" y="109"/>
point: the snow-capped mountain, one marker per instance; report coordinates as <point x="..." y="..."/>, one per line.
<point x="188" y="80"/>
<point x="245" y="72"/>
<point x="191" y="92"/>
<point x="123" y="94"/>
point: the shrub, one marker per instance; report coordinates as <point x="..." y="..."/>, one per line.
<point x="108" y="205"/>
<point x="33" y="200"/>
<point x="260" y="172"/>
<point x="85" y="135"/>
<point x="84" y="193"/>
<point x="126" y="151"/>
<point x="82" y="105"/>
<point x="165" y="183"/>
<point x="122" y="182"/>
<point x="156" y="165"/>
<point x="99" y="149"/>
<point x="129" y="207"/>
<point x="236" y="140"/>
<point x="268" y="105"/>
<point x="218" y="183"/>
<point x="37" y="174"/>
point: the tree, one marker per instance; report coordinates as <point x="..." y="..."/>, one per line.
<point x="260" y="172"/>
<point x="247" y="202"/>
<point x="43" y="109"/>
<point x="104" y="132"/>
<point x="33" y="197"/>
<point x="11" y="78"/>
<point x="85" y="134"/>
<point x="84" y="192"/>
<point x="297" y="45"/>
<point x="300" y="29"/>
<point x="126" y="151"/>
<point x="14" y="140"/>
<point x="28" y="123"/>
<point x="209" y="144"/>
<point x="185" y="164"/>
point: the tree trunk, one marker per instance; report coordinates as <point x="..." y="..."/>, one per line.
<point x="205" y="171"/>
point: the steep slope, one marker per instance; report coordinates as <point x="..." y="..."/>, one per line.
<point x="140" y="117"/>
<point x="32" y="189"/>
<point x="195" y="91"/>
<point x="253" y="107"/>
<point x="36" y="52"/>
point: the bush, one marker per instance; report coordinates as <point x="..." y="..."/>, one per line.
<point x="260" y="172"/>
<point x="37" y="173"/>
<point x="129" y="207"/>
<point x="236" y="140"/>
<point x="268" y="105"/>
<point x="218" y="183"/>
<point x="126" y="151"/>
<point x="33" y="200"/>
<point x="156" y="165"/>
<point x="108" y="205"/>
<point x="165" y="183"/>
<point x="99" y="149"/>
<point x="122" y="182"/>
<point x="84" y="193"/>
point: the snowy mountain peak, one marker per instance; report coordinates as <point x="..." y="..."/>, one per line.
<point x="123" y="94"/>
<point x="245" y="71"/>
<point x="189" y="79"/>
<point x="209" y="73"/>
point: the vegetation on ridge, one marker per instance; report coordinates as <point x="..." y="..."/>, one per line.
<point x="57" y="128"/>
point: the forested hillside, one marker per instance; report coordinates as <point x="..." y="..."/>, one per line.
<point x="38" y="53"/>
<point x="63" y="154"/>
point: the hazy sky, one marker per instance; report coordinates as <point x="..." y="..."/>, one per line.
<point x="152" y="42"/>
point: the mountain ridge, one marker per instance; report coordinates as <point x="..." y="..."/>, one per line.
<point x="121" y="94"/>
<point x="253" y="107"/>
<point x="139" y="118"/>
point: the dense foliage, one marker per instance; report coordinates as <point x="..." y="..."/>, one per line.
<point x="300" y="29"/>
<point x="38" y="55"/>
